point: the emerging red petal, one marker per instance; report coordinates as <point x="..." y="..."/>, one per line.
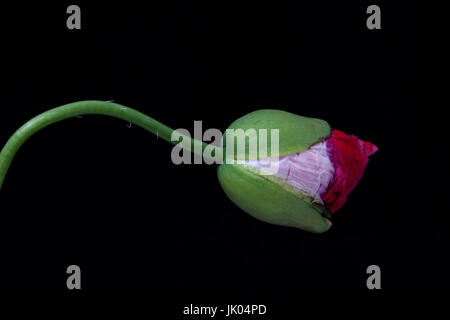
<point x="349" y="156"/>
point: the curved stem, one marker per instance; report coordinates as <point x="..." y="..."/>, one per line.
<point x="82" y="108"/>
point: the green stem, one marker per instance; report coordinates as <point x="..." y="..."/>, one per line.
<point x="82" y="108"/>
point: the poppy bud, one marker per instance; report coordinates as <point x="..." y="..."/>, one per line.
<point x="317" y="169"/>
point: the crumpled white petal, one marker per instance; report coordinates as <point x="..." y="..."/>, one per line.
<point x="309" y="172"/>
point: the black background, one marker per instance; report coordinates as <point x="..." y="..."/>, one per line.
<point x="91" y="191"/>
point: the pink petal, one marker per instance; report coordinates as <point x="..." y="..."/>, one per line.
<point x="349" y="156"/>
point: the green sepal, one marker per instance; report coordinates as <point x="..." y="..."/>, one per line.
<point x="296" y="133"/>
<point x="271" y="202"/>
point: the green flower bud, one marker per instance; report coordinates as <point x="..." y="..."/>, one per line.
<point x="316" y="167"/>
<point x="267" y="197"/>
